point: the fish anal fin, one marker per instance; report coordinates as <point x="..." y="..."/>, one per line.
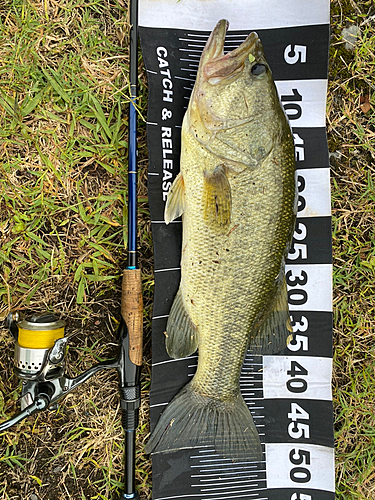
<point x="274" y="333"/>
<point x="217" y="199"/>
<point x="175" y="205"/>
<point x="182" y="334"/>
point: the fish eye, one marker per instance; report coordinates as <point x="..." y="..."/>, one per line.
<point x="258" y="69"/>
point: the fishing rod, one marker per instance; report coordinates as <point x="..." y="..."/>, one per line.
<point x="132" y="303"/>
<point x="40" y="340"/>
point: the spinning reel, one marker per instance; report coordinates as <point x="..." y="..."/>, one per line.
<point x="39" y="360"/>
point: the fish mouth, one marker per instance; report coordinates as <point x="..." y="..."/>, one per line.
<point x="216" y="65"/>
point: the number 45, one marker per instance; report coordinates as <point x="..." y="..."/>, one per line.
<point x="297" y="429"/>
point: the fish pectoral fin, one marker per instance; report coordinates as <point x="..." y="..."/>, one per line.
<point x="175" y="205"/>
<point x="276" y="330"/>
<point x="182" y="334"/>
<point x="217" y="197"/>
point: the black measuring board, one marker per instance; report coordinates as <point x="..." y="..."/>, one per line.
<point x="289" y="394"/>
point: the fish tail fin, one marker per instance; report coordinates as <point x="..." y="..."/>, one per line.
<point x="192" y="419"/>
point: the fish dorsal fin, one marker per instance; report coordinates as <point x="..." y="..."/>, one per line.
<point x="217" y="198"/>
<point x="182" y="334"/>
<point x="275" y="331"/>
<point x="175" y="205"/>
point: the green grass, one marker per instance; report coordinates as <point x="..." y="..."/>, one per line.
<point x="64" y="92"/>
<point x="351" y="138"/>
<point x="64" y="98"/>
<point x="63" y="127"/>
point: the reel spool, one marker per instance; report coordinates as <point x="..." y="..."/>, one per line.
<point x="36" y="336"/>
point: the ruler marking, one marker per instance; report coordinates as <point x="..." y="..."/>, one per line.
<point x="167" y="269"/>
<point x="186" y="79"/>
<point x="159" y="317"/>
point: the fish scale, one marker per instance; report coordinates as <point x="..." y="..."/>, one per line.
<point x="236" y="193"/>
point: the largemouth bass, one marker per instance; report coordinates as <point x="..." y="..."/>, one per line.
<point x="236" y="193"/>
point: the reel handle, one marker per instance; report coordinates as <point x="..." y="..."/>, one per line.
<point x="41" y="403"/>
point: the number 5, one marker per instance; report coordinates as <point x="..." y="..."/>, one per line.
<point x="297" y="430"/>
<point x="298" y="250"/>
<point x="300" y="342"/>
<point x="297" y="457"/>
<point x="299" y="52"/>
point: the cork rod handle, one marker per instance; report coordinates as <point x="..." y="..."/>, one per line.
<point x="132" y="312"/>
